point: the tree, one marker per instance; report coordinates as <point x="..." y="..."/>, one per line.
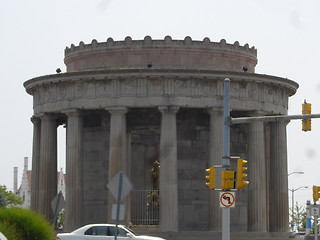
<point x="298" y="217"/>
<point x="8" y="198"/>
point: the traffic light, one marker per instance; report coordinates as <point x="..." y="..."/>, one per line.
<point x="227" y="179"/>
<point x="316" y="193"/>
<point x="241" y="175"/>
<point x="306" y="123"/>
<point x="211" y="178"/>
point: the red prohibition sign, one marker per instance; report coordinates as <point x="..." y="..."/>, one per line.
<point x="227" y="199"/>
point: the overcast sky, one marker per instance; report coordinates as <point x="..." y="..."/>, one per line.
<point x="34" y="34"/>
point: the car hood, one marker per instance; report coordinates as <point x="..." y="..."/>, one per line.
<point x="63" y="234"/>
<point x="145" y="237"/>
<point x="2" y="236"/>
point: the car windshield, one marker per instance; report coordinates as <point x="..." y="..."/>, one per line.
<point x="129" y="230"/>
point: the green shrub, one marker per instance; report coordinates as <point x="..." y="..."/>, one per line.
<point x="29" y="225"/>
<point x="9" y="231"/>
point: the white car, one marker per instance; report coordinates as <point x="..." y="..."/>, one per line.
<point x="2" y="237"/>
<point x="103" y="232"/>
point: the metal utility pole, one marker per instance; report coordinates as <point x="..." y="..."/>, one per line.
<point x="118" y="204"/>
<point x="226" y="154"/>
<point x="292" y="205"/>
<point x="315" y="223"/>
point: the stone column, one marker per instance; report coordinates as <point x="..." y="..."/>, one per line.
<point x="257" y="189"/>
<point x="48" y="165"/>
<point x="267" y="144"/>
<point x="168" y="171"/>
<point x="278" y="188"/>
<point x="35" y="164"/>
<point x="216" y="153"/>
<point x="117" y="147"/>
<point x="74" y="171"/>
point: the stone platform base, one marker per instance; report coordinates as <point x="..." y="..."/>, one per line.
<point x="308" y="237"/>
<point x="207" y="235"/>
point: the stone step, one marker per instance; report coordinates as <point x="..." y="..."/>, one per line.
<point x="209" y="235"/>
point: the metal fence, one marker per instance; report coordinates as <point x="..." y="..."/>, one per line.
<point x="145" y="203"/>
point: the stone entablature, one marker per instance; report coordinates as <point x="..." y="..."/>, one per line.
<point x="148" y="87"/>
<point x="161" y="54"/>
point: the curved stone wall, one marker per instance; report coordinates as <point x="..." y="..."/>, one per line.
<point x="161" y="54"/>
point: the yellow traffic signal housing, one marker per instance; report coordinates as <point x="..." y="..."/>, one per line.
<point x="211" y="178"/>
<point x="306" y="123"/>
<point x="316" y="193"/>
<point x="227" y="179"/>
<point x="241" y="175"/>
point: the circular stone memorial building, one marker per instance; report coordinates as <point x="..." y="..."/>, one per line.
<point x="153" y="109"/>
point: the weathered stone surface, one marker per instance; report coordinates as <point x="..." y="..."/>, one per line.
<point x="161" y="54"/>
<point x="149" y="101"/>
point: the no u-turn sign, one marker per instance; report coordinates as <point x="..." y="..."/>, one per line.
<point x="227" y="199"/>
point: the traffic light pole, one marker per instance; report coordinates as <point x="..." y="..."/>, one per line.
<point x="240" y="120"/>
<point x="315" y="223"/>
<point x="226" y="154"/>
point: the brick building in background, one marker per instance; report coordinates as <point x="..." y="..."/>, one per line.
<point x="24" y="190"/>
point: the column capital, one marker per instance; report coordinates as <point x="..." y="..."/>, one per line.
<point x="122" y="110"/>
<point x="35" y="119"/>
<point x="46" y="115"/>
<point x="72" y="111"/>
<point x="173" y="109"/>
<point x="215" y="110"/>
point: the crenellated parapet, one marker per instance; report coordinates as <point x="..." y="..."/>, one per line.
<point x="167" y="42"/>
<point x="161" y="54"/>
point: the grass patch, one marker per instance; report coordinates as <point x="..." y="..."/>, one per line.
<point x="27" y="224"/>
<point x="9" y="231"/>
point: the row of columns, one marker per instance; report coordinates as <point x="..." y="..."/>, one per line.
<point x="44" y="165"/>
<point x="268" y="188"/>
<point x="44" y="168"/>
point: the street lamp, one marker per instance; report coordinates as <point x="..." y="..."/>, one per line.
<point x="295" y="173"/>
<point x="292" y="191"/>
